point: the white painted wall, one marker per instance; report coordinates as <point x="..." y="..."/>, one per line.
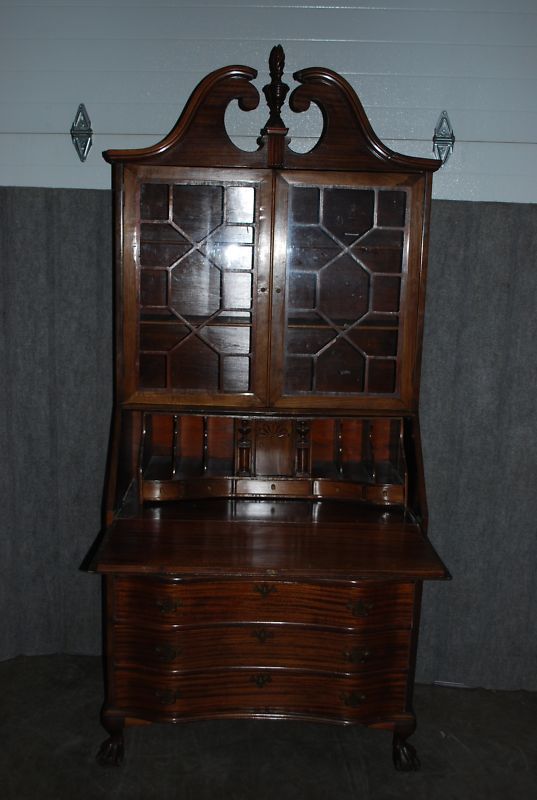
<point x="135" y="62"/>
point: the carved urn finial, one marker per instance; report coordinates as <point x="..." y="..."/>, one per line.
<point x="276" y="90"/>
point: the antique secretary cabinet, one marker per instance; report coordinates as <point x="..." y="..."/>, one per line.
<point x="266" y="518"/>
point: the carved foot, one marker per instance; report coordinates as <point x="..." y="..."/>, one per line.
<point x="111" y="751"/>
<point x="405" y="758"/>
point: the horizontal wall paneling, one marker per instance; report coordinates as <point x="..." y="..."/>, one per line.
<point x="135" y="63"/>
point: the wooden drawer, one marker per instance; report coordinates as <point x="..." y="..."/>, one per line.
<point x="266" y="645"/>
<point x="153" y="601"/>
<point x="269" y="693"/>
<point x="177" y="489"/>
<point x="383" y="494"/>
<point x="286" y="488"/>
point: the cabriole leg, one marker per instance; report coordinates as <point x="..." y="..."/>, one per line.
<point x="405" y="757"/>
<point x="112" y="749"/>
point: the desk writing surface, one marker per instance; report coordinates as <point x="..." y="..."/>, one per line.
<point x="391" y="546"/>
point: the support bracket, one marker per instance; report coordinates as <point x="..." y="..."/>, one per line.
<point x="81" y="132"/>
<point x="444" y="138"/>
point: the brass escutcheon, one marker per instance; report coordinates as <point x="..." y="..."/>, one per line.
<point x="352" y="699"/>
<point x="166" y="653"/>
<point x="264" y="589"/>
<point x="262" y="634"/>
<point x="359" y="609"/>
<point x="168" y="605"/>
<point x="166" y="697"/>
<point x="261" y="680"/>
<point x="357" y="655"/>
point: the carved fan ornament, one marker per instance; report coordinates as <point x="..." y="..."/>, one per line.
<point x="273" y="430"/>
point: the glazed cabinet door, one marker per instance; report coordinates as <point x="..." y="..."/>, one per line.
<point x="196" y="258"/>
<point x="346" y="277"/>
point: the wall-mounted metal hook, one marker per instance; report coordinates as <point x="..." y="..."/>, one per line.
<point x="81" y="132"/>
<point x="444" y="138"/>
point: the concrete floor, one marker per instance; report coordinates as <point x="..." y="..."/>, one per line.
<point x="473" y="745"/>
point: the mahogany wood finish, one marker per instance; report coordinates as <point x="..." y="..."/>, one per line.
<point x="266" y="541"/>
<point x="247" y="644"/>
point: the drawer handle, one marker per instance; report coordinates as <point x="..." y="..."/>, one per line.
<point x="359" y="609"/>
<point x="262" y="635"/>
<point x="166" y="653"/>
<point x="357" y="655"/>
<point x="261" y="680"/>
<point x="264" y="589"/>
<point x="352" y="699"/>
<point x="168" y="605"/>
<point x="166" y="697"/>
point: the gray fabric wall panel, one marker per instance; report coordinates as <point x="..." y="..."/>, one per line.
<point x="479" y="429"/>
<point x="55" y="251"/>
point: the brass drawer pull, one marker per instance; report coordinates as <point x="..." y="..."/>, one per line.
<point x="166" y="653"/>
<point x="262" y="635"/>
<point x="352" y="699"/>
<point x="261" y="680"/>
<point x="358" y="655"/>
<point x="168" y="605"/>
<point x="166" y="697"/>
<point x="264" y="589"/>
<point x="359" y="609"/>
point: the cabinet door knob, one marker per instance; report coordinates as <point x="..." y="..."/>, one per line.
<point x="264" y="589"/>
<point x="167" y="605"/>
<point x="359" y="608"/>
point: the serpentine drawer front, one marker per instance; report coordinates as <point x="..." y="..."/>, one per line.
<point x="260" y="692"/>
<point x="173" y="649"/>
<point x="265" y="539"/>
<point x="248" y="647"/>
<point x="161" y="601"/>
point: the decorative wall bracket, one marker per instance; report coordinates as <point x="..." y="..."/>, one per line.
<point x="444" y="138"/>
<point x="81" y="132"/>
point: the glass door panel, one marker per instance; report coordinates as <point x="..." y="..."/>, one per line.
<point x="199" y="257"/>
<point x="342" y="267"/>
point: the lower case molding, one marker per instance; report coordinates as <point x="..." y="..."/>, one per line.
<point x="402" y="724"/>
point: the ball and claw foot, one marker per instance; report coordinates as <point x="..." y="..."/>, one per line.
<point x="111" y="752"/>
<point x="405" y="758"/>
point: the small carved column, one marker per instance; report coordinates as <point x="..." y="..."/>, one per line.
<point x="244" y="448"/>
<point x="302" y="448"/>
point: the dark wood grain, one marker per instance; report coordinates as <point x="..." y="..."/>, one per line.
<point x="348" y="138"/>
<point x="199" y="136"/>
<point x="198" y="547"/>
<point x="175" y="648"/>
<point x="178" y="602"/>
<point x="261" y="693"/>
